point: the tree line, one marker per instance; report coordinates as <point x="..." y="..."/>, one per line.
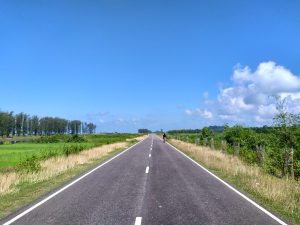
<point x="144" y="131"/>
<point x="196" y="131"/>
<point x="23" y="124"/>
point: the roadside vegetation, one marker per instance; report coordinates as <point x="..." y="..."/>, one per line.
<point x="279" y="195"/>
<point x="263" y="162"/>
<point x="25" y="168"/>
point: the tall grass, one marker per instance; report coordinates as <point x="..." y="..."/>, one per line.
<point x="279" y="194"/>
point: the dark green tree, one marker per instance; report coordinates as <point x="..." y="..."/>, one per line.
<point x="286" y="125"/>
<point x="6" y="123"/>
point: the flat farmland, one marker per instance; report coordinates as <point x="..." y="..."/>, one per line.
<point x="11" y="154"/>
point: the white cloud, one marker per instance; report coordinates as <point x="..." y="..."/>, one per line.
<point x="207" y="114"/>
<point x="251" y="96"/>
<point x="205" y="95"/>
<point x="188" y="112"/>
<point x="206" y="99"/>
<point x="199" y="112"/>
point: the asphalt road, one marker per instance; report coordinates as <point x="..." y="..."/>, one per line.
<point x="172" y="190"/>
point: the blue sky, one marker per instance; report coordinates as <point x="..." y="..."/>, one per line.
<point x="127" y="64"/>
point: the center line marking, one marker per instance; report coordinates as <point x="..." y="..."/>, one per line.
<point x="149" y="155"/>
<point x="138" y="221"/>
<point x="147" y="169"/>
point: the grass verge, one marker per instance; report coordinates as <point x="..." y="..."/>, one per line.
<point x="277" y="195"/>
<point x="31" y="188"/>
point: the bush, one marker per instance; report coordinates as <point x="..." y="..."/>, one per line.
<point x="29" y="165"/>
<point x="297" y="168"/>
<point x="74" y="148"/>
<point x="229" y="149"/>
<point x="49" y="153"/>
<point x="76" y="139"/>
<point x="248" y="156"/>
<point x="49" y="139"/>
<point x="61" y="138"/>
<point x="273" y="160"/>
<point x="66" y="150"/>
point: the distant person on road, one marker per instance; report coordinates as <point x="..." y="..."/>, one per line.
<point x="164" y="137"/>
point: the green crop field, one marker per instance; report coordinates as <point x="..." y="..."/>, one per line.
<point x="12" y="154"/>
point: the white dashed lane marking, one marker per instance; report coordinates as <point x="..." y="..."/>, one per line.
<point x="138" y="221"/>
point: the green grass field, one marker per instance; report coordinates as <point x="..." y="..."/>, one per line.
<point x="12" y="154"/>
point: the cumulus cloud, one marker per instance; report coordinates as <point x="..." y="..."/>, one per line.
<point x="251" y="97"/>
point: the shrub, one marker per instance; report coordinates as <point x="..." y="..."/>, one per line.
<point x="297" y="168"/>
<point x="48" y="153"/>
<point x="29" y="165"/>
<point x="49" y="139"/>
<point x="76" y="139"/>
<point x="74" y="148"/>
<point x="248" y="156"/>
<point x="66" y="150"/>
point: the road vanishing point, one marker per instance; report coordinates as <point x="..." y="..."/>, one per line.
<point x="150" y="183"/>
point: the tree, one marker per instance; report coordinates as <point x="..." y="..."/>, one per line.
<point x="91" y="128"/>
<point x="25" y="124"/>
<point x="75" y="126"/>
<point x="235" y="134"/>
<point x="6" y="123"/>
<point x="19" y="123"/>
<point x="286" y="124"/>
<point x="143" y="131"/>
<point x="206" y="133"/>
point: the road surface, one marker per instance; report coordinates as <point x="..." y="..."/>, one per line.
<point x="149" y="184"/>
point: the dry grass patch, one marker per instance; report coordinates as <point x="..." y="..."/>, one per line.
<point x="283" y="194"/>
<point x="6" y="181"/>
